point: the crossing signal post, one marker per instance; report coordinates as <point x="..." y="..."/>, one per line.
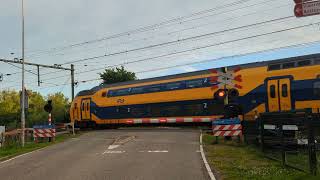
<point x="227" y="83"/>
<point x="48" y="109"/>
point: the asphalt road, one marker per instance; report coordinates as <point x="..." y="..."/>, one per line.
<point x="137" y="154"/>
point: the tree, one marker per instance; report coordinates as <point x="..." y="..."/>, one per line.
<point x="115" y="75"/>
<point x="10" y="108"/>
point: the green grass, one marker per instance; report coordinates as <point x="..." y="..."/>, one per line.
<point x="15" y="149"/>
<point x="235" y="161"/>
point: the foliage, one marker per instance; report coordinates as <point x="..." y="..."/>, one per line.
<point x="118" y="74"/>
<point x="10" y="108"/>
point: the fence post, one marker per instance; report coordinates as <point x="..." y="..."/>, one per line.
<point x="311" y="147"/>
<point x="283" y="146"/>
<point x="261" y="133"/>
<point x="244" y="131"/>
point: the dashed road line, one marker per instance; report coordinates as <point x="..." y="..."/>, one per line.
<point x="157" y="151"/>
<point x="113" y="152"/>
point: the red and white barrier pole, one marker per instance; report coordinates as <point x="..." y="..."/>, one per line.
<point x="49" y="119"/>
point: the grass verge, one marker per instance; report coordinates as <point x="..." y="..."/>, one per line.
<point x="15" y="150"/>
<point x="234" y="161"/>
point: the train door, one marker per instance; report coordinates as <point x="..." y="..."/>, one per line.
<point x="85" y="109"/>
<point x="279" y="94"/>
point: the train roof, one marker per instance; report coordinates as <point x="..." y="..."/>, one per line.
<point x="314" y="57"/>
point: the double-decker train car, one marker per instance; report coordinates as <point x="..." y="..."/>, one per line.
<point x="269" y="86"/>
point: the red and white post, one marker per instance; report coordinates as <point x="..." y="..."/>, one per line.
<point x="49" y="119"/>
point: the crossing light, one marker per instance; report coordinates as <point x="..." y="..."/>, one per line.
<point x="233" y="93"/>
<point x="220" y="94"/>
<point x="48" y="106"/>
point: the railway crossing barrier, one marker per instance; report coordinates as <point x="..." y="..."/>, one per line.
<point x="227" y="128"/>
<point x="44" y="131"/>
<point x="171" y="120"/>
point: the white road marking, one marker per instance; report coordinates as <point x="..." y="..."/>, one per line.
<point x="113" y="152"/>
<point x="157" y="151"/>
<point x="205" y="160"/>
<point x="21" y="155"/>
<point x="113" y="146"/>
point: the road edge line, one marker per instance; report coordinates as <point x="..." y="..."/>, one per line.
<point x="10" y="158"/>
<point x="211" y="175"/>
<point x="21" y="155"/>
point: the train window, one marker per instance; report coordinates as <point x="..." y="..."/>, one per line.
<point x="316" y="88"/>
<point x="87" y="106"/>
<point x="104" y="94"/>
<point x="273" y="91"/>
<point x="288" y="65"/>
<point x="137" y="90"/>
<point x="82" y="107"/>
<point x="172" y="86"/>
<point x="274" y="67"/>
<point x="304" y="63"/>
<point x="154" y="88"/>
<point x="110" y="93"/>
<point x="121" y="92"/>
<point x="194" y="83"/>
<point x="284" y="90"/>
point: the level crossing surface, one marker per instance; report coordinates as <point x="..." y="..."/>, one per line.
<point x="127" y="153"/>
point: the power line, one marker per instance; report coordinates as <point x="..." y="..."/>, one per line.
<point x="211" y="60"/>
<point x="192" y="49"/>
<point x="206" y="46"/>
<point x="174" y="53"/>
<point x="176" y="31"/>
<point x="178" y="41"/>
<point x="193" y="63"/>
<point x="147" y="28"/>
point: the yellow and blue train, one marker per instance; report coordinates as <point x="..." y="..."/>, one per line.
<point x="269" y="86"/>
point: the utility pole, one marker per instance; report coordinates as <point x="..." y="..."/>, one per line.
<point x="23" y="120"/>
<point x="38" y="70"/>
<point x="72" y="82"/>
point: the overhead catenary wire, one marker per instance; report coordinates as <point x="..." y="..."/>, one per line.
<point x="177" y="41"/>
<point x="184" y="51"/>
<point x="149" y="27"/>
<point x="179" y="52"/>
<point x="172" y="32"/>
<point x="211" y="60"/>
<point x="191" y="63"/>
<point x="203" y="47"/>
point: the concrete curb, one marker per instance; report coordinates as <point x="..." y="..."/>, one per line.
<point x="205" y="160"/>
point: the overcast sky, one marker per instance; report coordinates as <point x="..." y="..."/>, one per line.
<point x="53" y="26"/>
